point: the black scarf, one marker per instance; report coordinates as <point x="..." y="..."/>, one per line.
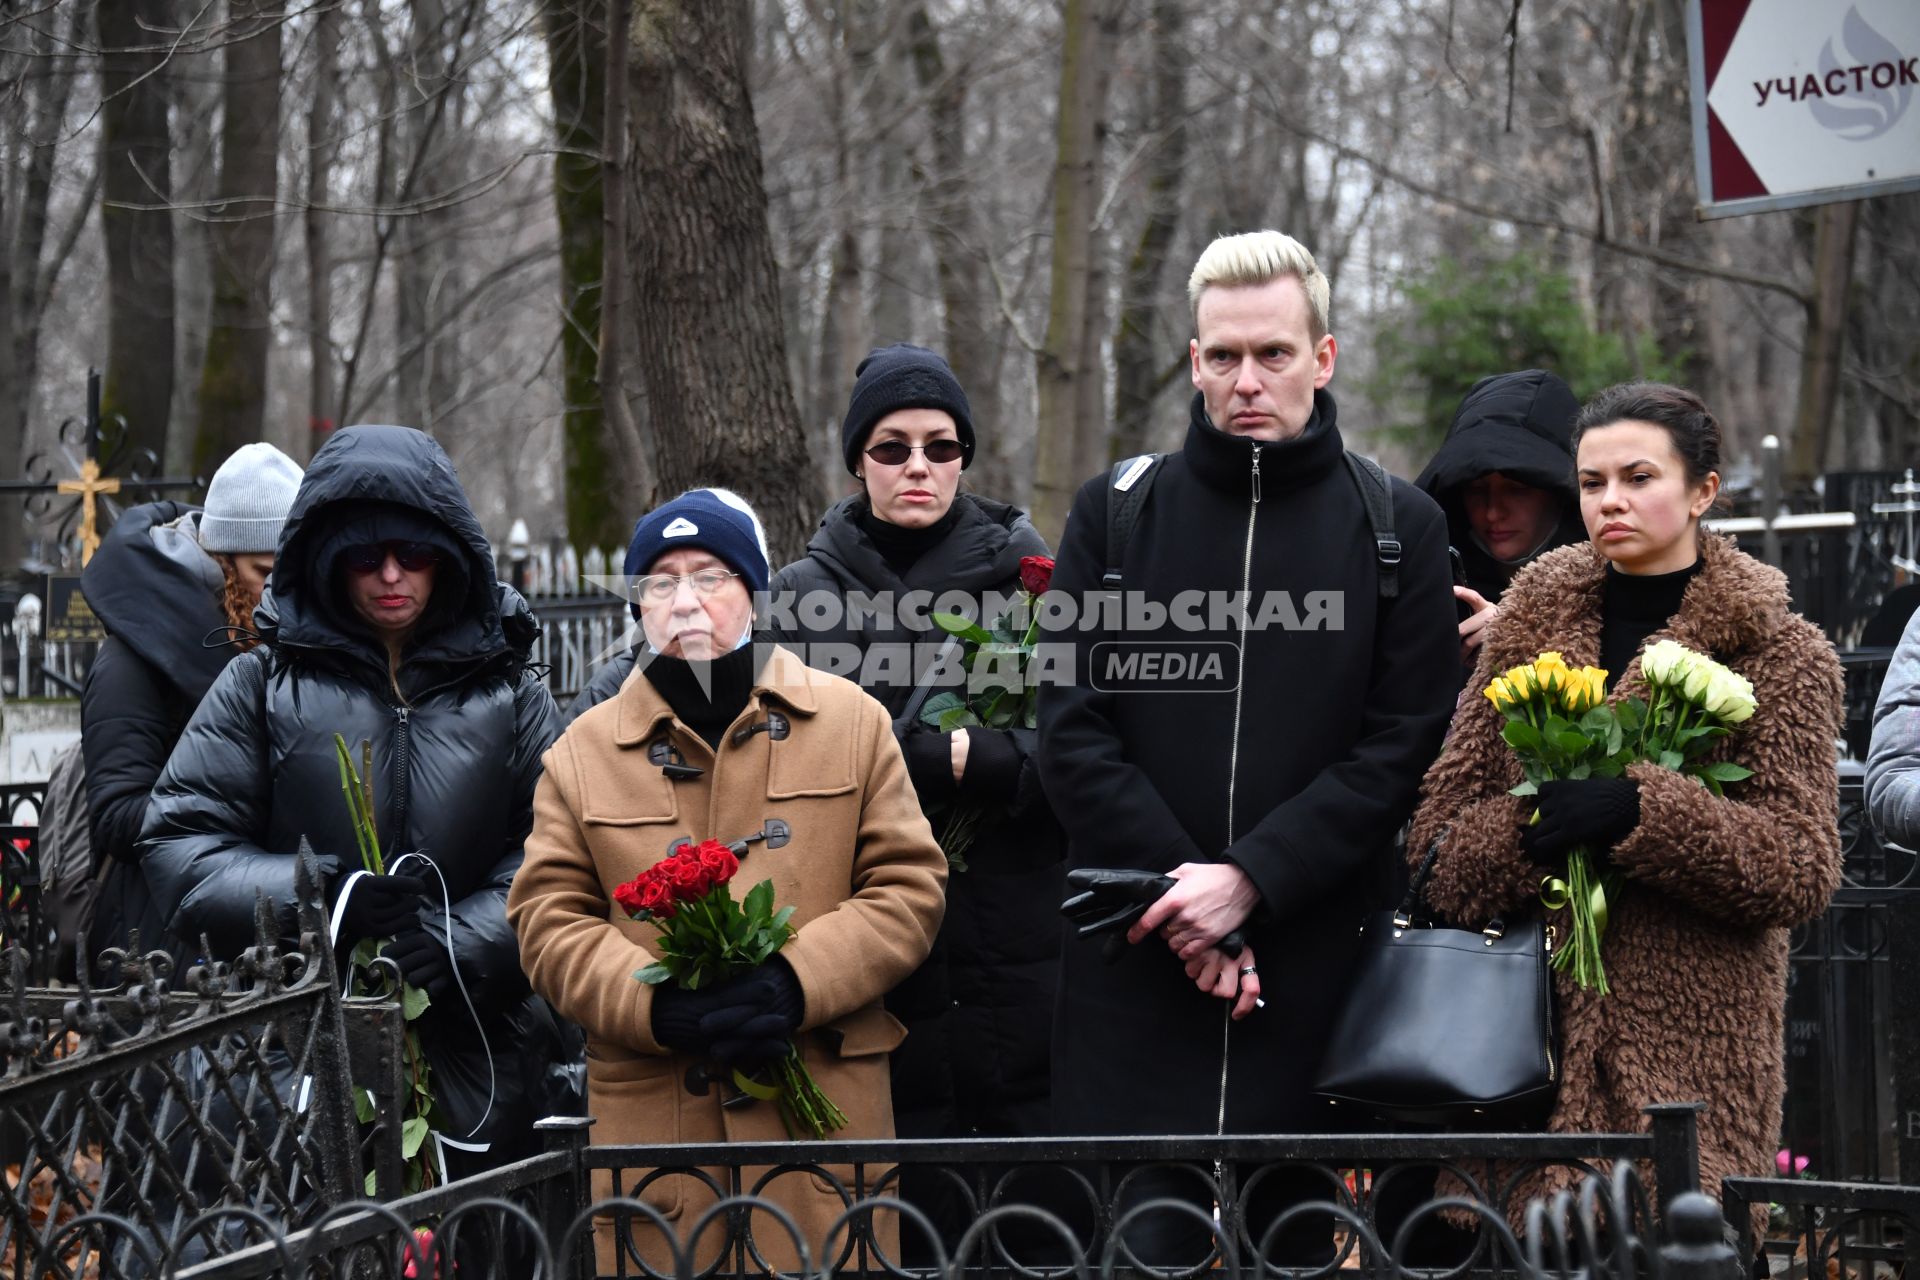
<point x="708" y="696"/>
<point x="1634" y="606"/>
<point x="900" y="546"/>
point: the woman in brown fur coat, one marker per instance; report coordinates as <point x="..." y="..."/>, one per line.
<point x="1696" y="951"/>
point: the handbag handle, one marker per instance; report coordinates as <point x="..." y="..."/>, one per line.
<point x="1415" y="899"/>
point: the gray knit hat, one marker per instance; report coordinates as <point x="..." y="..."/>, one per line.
<point x="248" y="501"/>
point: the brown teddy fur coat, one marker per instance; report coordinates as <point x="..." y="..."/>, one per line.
<point x="1696" y="951"/>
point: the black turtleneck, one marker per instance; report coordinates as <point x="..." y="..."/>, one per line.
<point x="900" y="546"/>
<point x="1223" y="461"/>
<point x="708" y="696"/>
<point x="1634" y="606"/>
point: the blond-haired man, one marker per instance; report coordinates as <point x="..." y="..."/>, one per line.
<point x="1256" y="726"/>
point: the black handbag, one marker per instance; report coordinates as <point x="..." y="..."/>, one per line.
<point x="1446" y="1026"/>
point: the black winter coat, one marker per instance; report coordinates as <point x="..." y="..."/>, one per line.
<point x="977" y="1012"/>
<point x="453" y="770"/>
<point x="158" y="595"/>
<point x="1521" y="425"/>
<point x="1317" y="749"/>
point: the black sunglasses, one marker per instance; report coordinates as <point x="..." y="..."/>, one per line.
<point x="894" y="453"/>
<point x="367" y="557"/>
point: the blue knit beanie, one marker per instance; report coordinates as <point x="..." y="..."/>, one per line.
<point x="715" y="520"/>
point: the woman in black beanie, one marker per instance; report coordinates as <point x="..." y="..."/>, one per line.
<point x="979" y="1011"/>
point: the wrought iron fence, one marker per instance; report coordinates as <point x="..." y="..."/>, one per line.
<point x="22" y="921"/>
<point x="577" y="634"/>
<point x="541" y="1213"/>
<point x="137" y="1106"/>
<point x="1827" y="1229"/>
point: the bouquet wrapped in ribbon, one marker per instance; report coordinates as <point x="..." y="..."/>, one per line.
<point x="707" y="938"/>
<point x="1559" y="724"/>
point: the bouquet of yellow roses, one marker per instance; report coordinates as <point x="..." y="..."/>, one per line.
<point x="1560" y="725"/>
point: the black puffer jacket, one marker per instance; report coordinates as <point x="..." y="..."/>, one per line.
<point x="454" y="767"/>
<point x="1521" y="425"/>
<point x="158" y="595"/>
<point x="978" y="1012"/>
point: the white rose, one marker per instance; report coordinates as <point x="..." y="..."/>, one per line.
<point x="1697" y="675"/>
<point x="1729" y="695"/>
<point x="1663" y="660"/>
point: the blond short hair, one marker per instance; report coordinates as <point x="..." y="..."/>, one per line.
<point x="1255" y="257"/>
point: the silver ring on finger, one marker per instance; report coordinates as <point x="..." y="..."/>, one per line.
<point x="1248" y="970"/>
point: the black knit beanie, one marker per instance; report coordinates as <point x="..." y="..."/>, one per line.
<point x="903" y="376"/>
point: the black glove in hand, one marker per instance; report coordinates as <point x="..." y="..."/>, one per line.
<point x="1595" y="812"/>
<point x="758" y="1026"/>
<point x="1111" y="899"/>
<point x="695" y="1022"/>
<point x="382" y="906"/>
<point x="421" y="956"/>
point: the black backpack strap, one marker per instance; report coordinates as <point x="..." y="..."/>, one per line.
<point x="1376" y="493"/>
<point x="1129" y="482"/>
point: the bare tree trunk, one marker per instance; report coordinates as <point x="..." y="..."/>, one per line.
<point x="1063" y="461"/>
<point x="709" y="305"/>
<point x="233" y="383"/>
<point x="577" y="81"/>
<point x="874" y="55"/>
<point x="619" y="336"/>
<point x="959" y="248"/>
<point x="136" y="176"/>
<point x="1141" y="358"/>
<point x="425" y="261"/>
<point x="322" y="148"/>
<point x="1826" y="342"/>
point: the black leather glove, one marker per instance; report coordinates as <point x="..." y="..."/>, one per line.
<point x="929" y="763"/>
<point x="757" y="1026"/>
<point x="382" y="906"/>
<point x="691" y="1021"/>
<point x="1112" y="899"/>
<point x="1595" y="812"/>
<point x="421" y="955"/>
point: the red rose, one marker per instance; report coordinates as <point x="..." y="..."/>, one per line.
<point x="656" y="899"/>
<point x="1036" y="573"/>
<point x="627" y="896"/>
<point x="683" y="875"/>
<point x="718" y="862"/>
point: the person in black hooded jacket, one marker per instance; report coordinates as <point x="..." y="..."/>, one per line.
<point x="175" y="586"/>
<point x="978" y="1012"/>
<point x="384" y="624"/>
<point x="1504" y="476"/>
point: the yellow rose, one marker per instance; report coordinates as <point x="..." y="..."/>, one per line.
<point x="1500" y="693"/>
<point x="1520" y="681"/>
<point x="1596" y="678"/>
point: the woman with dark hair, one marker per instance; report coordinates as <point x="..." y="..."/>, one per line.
<point x="175" y="586"/>
<point x="1504" y="477"/>
<point x="1696" y="944"/>
<point x="384" y="625"/>
<point x="979" y="1011"/>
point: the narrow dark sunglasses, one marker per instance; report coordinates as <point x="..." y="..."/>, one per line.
<point x="367" y="557"/>
<point x="893" y="453"/>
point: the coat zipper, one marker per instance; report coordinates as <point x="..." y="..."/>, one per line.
<point x="1233" y="762"/>
<point x="402" y="769"/>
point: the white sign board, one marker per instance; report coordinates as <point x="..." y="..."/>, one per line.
<point x="30" y="755"/>
<point x="1799" y="102"/>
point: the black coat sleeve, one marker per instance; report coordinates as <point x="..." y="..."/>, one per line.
<point x="603" y="684"/>
<point x="1105" y="802"/>
<point x="129" y="719"/>
<point x="201" y="846"/>
<point x="483" y="941"/>
<point x="1344" y="820"/>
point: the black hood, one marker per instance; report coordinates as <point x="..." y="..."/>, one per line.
<point x="373" y="483"/>
<point x="159" y="594"/>
<point x="982" y="550"/>
<point x="1521" y="425"/>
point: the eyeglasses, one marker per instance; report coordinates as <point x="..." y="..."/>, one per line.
<point x="658" y="588"/>
<point x="368" y="557"/>
<point x="893" y="453"/>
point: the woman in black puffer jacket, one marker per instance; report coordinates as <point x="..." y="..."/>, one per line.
<point x="979" y="1012"/>
<point x="383" y="623"/>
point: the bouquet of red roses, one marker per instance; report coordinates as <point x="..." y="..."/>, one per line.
<point x="705" y="938"/>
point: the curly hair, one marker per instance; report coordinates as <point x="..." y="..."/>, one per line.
<point x="236" y="604"/>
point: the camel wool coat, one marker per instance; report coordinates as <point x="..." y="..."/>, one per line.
<point x="1696" y="950"/>
<point x="862" y="869"/>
